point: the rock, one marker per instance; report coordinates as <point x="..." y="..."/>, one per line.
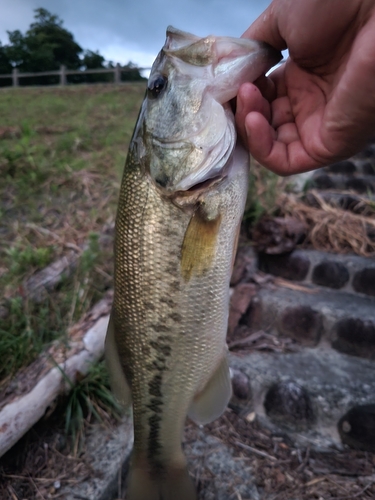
<point x="239" y="303"/>
<point x="357" y="428"/>
<point x="356" y="337"/>
<point x="331" y="274"/>
<point x="278" y="235"/>
<point x="342" y="167"/>
<point x="323" y="181"/>
<point x="360" y="185"/>
<point x="318" y="384"/>
<point x="228" y="477"/>
<point x="364" y="281"/>
<point x="289" y="403"/>
<point x="292" y="266"/>
<point x="108" y="453"/>
<point x="368" y="169"/>
<point x="301" y="323"/>
<point x="244" y="265"/>
<point x="240" y="385"/>
<point x="309" y="314"/>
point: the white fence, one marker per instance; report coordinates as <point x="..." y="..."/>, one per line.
<point x="63" y="72"/>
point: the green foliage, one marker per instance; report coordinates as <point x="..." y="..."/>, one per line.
<point x="91" y="398"/>
<point x="45" y="47"/>
<point x="90" y="256"/>
<point x="5" y="64"/>
<point x="262" y="193"/>
<point x="92" y="60"/>
<point x="23" y="259"/>
<point x="61" y="163"/>
<point x="130" y="72"/>
<point x="24" y="333"/>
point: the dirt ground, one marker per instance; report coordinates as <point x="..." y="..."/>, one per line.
<point x="43" y="461"/>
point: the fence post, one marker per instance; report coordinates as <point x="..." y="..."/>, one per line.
<point x="15" y="77"/>
<point x="117" y="73"/>
<point x="62" y="75"/>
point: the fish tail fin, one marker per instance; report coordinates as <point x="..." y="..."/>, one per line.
<point x="171" y="483"/>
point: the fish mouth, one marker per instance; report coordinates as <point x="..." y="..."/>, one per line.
<point x="193" y="193"/>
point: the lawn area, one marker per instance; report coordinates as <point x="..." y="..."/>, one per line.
<point x="62" y="152"/>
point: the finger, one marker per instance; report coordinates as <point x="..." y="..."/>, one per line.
<point x="287" y="133"/>
<point x="282" y="158"/>
<point x="281" y="112"/>
<point x="249" y="99"/>
<point x="266" y="28"/>
<point x="278" y="79"/>
<point x="266" y="87"/>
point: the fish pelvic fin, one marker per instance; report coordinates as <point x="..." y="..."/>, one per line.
<point x="212" y="400"/>
<point x="169" y="483"/>
<point x="117" y="379"/>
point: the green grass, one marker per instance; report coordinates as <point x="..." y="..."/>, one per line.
<point x="62" y="152"/>
<point x="263" y="192"/>
<point x="90" y="398"/>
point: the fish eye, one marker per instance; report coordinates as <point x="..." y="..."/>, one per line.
<point x="156" y="87"/>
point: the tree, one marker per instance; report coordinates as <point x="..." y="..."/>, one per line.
<point x="5" y="65"/>
<point x="131" y="73"/>
<point x="44" y="47"/>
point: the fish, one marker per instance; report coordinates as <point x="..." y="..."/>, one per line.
<point x="180" y="207"/>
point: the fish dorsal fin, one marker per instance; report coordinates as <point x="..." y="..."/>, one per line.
<point x="189" y="48"/>
<point x="177" y="38"/>
<point x="119" y="384"/>
<point x="211" y="402"/>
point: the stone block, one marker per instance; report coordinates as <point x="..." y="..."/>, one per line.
<point x="244" y="265"/>
<point x="323" y="181"/>
<point x="355" y="337"/>
<point x="364" y="281"/>
<point x="345" y="167"/>
<point x="357" y="428"/>
<point x="368" y="168"/>
<point x="360" y="185"/>
<point x="253" y="318"/>
<point x="239" y="303"/>
<point x="301" y="323"/>
<point x="240" y="385"/>
<point x="292" y="266"/>
<point x="331" y="274"/>
<point x="288" y="403"/>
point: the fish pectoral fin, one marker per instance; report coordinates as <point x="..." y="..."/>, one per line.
<point x="119" y="384"/>
<point x="211" y="402"/>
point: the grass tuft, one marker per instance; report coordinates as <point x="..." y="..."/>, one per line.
<point x="90" y="399"/>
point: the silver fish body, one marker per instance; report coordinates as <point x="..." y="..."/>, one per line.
<point x="181" y="202"/>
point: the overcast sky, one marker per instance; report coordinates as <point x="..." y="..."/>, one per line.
<point x="133" y="30"/>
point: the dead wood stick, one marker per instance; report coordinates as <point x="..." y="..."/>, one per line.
<point x="17" y="417"/>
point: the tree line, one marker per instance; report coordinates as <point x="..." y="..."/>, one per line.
<point x="46" y="46"/>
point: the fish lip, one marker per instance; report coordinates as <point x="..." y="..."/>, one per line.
<point x="194" y="192"/>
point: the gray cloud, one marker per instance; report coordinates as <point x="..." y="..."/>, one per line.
<point x="121" y="29"/>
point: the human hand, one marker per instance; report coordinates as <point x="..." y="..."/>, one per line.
<point x="319" y="106"/>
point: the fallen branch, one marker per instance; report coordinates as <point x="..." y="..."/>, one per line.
<point x="17" y="417"/>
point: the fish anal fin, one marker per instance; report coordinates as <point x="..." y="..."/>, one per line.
<point x="199" y="245"/>
<point x="119" y="384"/>
<point x="211" y="402"/>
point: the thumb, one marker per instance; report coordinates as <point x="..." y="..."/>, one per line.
<point x="266" y="27"/>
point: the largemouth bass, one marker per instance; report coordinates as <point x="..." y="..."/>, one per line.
<point x="181" y="202"/>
